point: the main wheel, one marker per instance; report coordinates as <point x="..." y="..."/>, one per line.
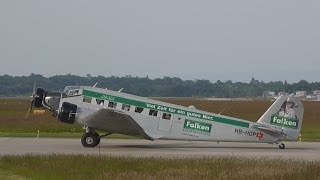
<point x="90" y="140"/>
<point x="282" y="146"/>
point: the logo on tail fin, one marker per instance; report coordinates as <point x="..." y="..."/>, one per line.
<point x="284" y="122"/>
<point x="286" y="116"/>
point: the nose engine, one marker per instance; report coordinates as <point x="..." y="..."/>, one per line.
<point x="45" y="99"/>
<point x="38" y="98"/>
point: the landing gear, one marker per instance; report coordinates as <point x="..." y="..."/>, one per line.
<point x="282" y="146"/>
<point x="90" y="139"/>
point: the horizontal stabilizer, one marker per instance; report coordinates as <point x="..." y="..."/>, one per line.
<point x="268" y="130"/>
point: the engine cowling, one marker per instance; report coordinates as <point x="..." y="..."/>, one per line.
<point x="39" y="97"/>
<point x="67" y="113"/>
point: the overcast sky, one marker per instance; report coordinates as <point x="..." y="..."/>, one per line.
<point x="216" y="40"/>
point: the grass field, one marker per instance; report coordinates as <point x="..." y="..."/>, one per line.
<point x="12" y="123"/>
<point x="96" y="167"/>
<point x="13" y="111"/>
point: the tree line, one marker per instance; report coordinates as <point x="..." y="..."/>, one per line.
<point x="144" y="86"/>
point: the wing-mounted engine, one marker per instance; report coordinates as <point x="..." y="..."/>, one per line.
<point x="67" y="113"/>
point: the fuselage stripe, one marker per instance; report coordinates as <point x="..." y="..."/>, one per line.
<point x="163" y="108"/>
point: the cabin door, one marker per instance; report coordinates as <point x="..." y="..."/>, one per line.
<point x="165" y="122"/>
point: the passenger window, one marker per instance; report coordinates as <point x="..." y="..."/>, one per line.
<point x="112" y="104"/>
<point x="138" y="109"/>
<point x="153" y="112"/>
<point x="125" y="107"/>
<point x="87" y="99"/>
<point x="166" y="116"/>
<point x="100" y="102"/>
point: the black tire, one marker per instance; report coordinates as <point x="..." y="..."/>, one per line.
<point x="282" y="146"/>
<point x="90" y="140"/>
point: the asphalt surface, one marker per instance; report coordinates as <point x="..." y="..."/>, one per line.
<point x="159" y="148"/>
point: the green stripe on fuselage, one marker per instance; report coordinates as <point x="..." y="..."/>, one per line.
<point x="164" y="108"/>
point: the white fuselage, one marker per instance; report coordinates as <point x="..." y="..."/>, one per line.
<point x="161" y="120"/>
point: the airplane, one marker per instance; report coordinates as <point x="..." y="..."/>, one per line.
<point x="118" y="112"/>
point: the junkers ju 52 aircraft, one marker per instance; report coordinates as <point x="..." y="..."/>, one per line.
<point x="118" y="112"/>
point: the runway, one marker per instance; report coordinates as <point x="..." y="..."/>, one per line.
<point x="159" y="148"/>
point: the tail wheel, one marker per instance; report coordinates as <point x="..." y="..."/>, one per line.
<point x="282" y="146"/>
<point x="90" y="139"/>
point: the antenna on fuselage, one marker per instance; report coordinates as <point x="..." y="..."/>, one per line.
<point x="227" y="107"/>
<point x="95" y="84"/>
<point x="120" y="90"/>
<point x="222" y="111"/>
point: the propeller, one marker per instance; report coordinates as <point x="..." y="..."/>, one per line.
<point x="32" y="101"/>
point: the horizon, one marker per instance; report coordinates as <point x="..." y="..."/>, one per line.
<point x="125" y="76"/>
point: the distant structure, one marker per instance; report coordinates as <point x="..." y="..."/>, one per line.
<point x="311" y="95"/>
<point x="316" y="94"/>
<point x="301" y="94"/>
<point x="268" y="94"/>
<point x="283" y="94"/>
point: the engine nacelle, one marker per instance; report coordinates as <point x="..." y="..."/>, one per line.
<point x="39" y="97"/>
<point x="67" y="113"/>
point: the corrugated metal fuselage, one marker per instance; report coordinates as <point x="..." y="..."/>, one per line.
<point x="154" y="119"/>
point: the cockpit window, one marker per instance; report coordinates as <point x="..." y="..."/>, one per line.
<point x="72" y="91"/>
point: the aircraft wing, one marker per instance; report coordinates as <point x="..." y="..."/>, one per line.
<point x="114" y="121"/>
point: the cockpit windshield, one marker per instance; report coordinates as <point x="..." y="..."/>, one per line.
<point x="72" y="91"/>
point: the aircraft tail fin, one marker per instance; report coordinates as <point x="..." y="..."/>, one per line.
<point x="285" y="115"/>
